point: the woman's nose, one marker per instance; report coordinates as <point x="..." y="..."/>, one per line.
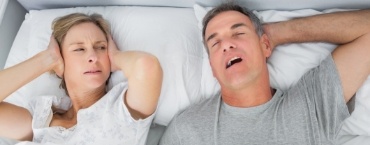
<point x="92" y="57"/>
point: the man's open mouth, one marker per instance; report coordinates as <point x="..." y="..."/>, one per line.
<point x="233" y="61"/>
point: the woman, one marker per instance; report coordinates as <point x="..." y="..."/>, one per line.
<point x="86" y="57"/>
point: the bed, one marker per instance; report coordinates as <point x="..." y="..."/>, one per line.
<point x="171" y="30"/>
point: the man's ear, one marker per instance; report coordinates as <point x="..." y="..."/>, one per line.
<point x="266" y="46"/>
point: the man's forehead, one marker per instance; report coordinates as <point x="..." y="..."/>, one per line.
<point x="228" y="17"/>
<point x="226" y="20"/>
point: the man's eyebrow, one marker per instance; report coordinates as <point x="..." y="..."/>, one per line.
<point x="238" y="25"/>
<point x="212" y="36"/>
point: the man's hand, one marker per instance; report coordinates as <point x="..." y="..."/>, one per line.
<point x="349" y="29"/>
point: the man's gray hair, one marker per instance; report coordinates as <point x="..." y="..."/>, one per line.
<point x="230" y="7"/>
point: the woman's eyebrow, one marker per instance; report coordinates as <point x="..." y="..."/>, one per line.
<point x="76" y="43"/>
<point x="101" y="41"/>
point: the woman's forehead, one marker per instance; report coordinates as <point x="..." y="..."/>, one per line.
<point x="84" y="32"/>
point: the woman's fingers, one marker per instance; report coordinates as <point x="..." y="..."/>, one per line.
<point x="56" y="57"/>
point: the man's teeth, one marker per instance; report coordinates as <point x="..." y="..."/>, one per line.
<point x="232" y="59"/>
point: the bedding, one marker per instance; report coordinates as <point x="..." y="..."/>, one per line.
<point x="290" y="61"/>
<point x="165" y="32"/>
<point x="3" y="4"/>
<point x="174" y="36"/>
<point x="6" y="141"/>
<point x="252" y="4"/>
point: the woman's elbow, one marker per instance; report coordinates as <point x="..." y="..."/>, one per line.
<point x="148" y="67"/>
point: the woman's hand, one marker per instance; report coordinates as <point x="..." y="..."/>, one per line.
<point x="112" y="51"/>
<point x="56" y="57"/>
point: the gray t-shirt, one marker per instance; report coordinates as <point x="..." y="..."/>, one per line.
<point x="310" y="113"/>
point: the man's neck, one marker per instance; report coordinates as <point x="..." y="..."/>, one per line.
<point x="251" y="96"/>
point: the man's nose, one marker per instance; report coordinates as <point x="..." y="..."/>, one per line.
<point x="228" y="44"/>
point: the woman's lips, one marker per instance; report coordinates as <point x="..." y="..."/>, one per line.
<point x="93" y="72"/>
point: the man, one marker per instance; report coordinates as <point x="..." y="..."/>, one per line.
<point x="248" y="110"/>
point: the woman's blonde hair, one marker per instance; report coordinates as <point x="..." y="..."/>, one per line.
<point x="61" y="26"/>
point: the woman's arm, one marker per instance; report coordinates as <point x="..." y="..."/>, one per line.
<point x="15" y="77"/>
<point x="144" y="75"/>
<point x="15" y="121"/>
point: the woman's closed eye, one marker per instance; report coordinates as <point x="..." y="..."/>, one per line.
<point x="100" y="47"/>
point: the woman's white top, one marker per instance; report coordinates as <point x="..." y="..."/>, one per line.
<point x="108" y="121"/>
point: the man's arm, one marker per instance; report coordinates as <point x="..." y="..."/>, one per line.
<point x="350" y="30"/>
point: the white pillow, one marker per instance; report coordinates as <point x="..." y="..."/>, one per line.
<point x="289" y="62"/>
<point x="7" y="141"/>
<point x="167" y="33"/>
<point x="43" y="85"/>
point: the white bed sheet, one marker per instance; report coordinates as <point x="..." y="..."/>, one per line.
<point x="167" y="33"/>
<point x="175" y="99"/>
<point x="289" y="62"/>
